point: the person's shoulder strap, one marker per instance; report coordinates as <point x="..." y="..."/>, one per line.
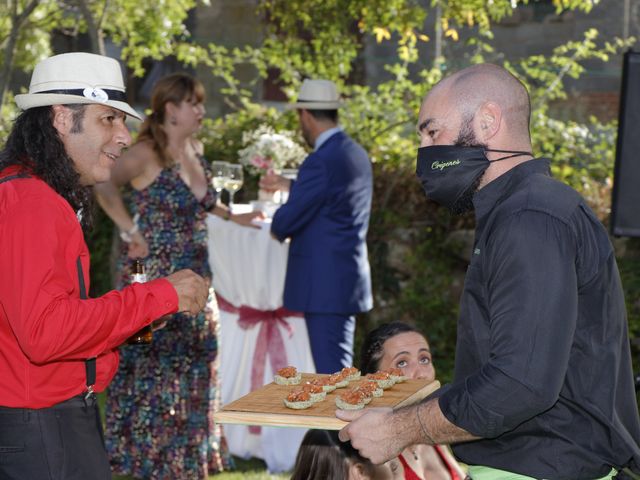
<point x="445" y="460"/>
<point x="90" y="363"/>
<point x="14" y="177"/>
<point x="409" y="474"/>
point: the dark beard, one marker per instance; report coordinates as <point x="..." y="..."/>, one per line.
<point x="467" y="138"/>
<point x="464" y="204"/>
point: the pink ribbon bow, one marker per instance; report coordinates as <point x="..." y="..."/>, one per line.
<point x="269" y="339"/>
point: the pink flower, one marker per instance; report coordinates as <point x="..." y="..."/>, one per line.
<point x="263" y="163"/>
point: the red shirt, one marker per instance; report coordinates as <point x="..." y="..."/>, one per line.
<point x="46" y="331"/>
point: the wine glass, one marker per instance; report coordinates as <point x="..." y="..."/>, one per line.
<point x="219" y="170"/>
<point x="234" y="180"/>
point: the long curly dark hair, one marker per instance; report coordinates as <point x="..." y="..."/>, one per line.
<point x="35" y="145"/>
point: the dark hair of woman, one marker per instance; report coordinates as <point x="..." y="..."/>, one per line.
<point x="174" y="88"/>
<point x="34" y="144"/>
<point x="371" y="352"/>
<point x="322" y="456"/>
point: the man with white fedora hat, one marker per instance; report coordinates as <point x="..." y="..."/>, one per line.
<point x="77" y="78"/>
<point x="327" y="218"/>
<point x="58" y="347"/>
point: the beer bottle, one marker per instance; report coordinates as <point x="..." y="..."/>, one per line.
<point x="144" y="336"/>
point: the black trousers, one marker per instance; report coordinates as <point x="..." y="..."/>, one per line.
<point x="63" y="442"/>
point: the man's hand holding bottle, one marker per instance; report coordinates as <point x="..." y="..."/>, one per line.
<point x="192" y="290"/>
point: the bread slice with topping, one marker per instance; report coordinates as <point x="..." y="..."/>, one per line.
<point x="298" y="400"/>
<point x="350" y="400"/>
<point x="288" y="376"/>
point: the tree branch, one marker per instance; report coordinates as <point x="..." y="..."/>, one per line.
<point x="17" y="20"/>
<point x="95" y="33"/>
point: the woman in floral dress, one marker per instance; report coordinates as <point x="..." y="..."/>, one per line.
<point x="159" y="412"/>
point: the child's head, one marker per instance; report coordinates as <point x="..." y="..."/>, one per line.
<point x="323" y="456"/>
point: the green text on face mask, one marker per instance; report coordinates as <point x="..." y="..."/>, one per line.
<point x="442" y="165"/>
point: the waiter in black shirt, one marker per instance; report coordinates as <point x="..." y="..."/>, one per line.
<point x="543" y="383"/>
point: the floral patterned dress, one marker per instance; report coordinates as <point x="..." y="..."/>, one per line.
<point x="159" y="412"/>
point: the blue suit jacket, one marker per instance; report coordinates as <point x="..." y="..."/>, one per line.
<point x="327" y="218"/>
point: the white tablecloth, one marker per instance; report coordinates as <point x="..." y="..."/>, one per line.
<point x="249" y="269"/>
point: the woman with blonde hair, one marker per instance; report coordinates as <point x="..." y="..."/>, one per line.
<point x="159" y="413"/>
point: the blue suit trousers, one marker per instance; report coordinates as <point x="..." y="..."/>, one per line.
<point x="331" y="338"/>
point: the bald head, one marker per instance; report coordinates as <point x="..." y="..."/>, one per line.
<point x="471" y="88"/>
<point x="482" y="106"/>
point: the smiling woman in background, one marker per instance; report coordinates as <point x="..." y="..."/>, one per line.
<point x="398" y="345"/>
<point x="159" y="413"/>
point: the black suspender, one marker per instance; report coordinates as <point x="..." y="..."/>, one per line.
<point x="90" y="364"/>
<point x="13" y="177"/>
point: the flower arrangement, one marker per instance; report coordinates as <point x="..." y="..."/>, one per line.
<point x="267" y="150"/>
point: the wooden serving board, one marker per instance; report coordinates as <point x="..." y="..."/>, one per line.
<point x="265" y="406"/>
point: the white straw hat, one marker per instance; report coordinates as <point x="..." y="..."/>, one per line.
<point x="77" y="77"/>
<point x="318" y="95"/>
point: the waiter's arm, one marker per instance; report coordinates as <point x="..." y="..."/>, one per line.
<point x="381" y="434"/>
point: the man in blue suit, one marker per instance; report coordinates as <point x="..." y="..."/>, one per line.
<point x="326" y="217"/>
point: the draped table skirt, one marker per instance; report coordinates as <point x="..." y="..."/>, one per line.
<point x="256" y="334"/>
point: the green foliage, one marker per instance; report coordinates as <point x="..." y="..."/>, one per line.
<point x="146" y="30"/>
<point x="222" y="137"/>
<point x="8" y="113"/>
<point x="323" y="38"/>
<point x="483" y="13"/>
<point x="582" y="156"/>
<point x="100" y="242"/>
<point x="34" y="37"/>
<point x="382" y="117"/>
<point x="543" y="75"/>
<point x="428" y="298"/>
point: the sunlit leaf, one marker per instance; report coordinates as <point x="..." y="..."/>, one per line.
<point x="381" y="34"/>
<point x="453" y="33"/>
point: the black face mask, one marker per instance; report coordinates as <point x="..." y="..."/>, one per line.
<point x="451" y="173"/>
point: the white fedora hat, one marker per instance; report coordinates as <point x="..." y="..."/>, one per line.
<point x="77" y="77"/>
<point x="318" y="95"/>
